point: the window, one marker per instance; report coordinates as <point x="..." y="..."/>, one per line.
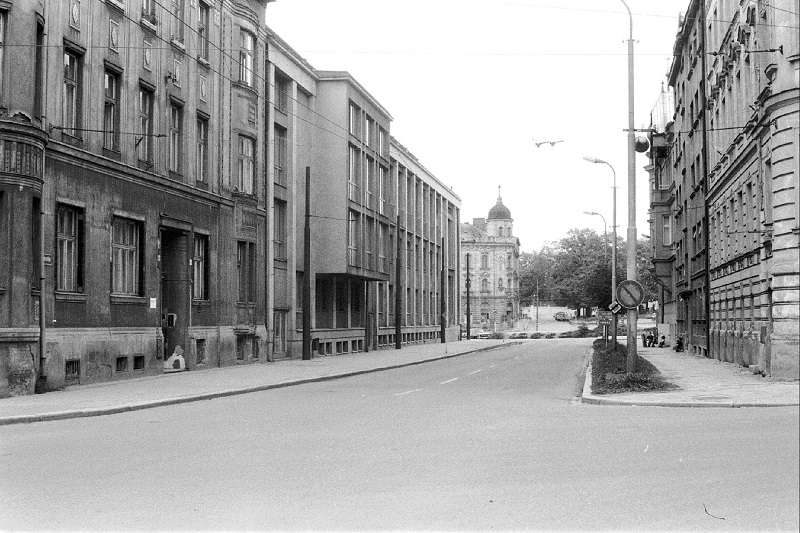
<point x="200" y="268"/>
<point x="149" y="10"/>
<point x="246" y="164"/>
<point x="110" y="113"/>
<point x="177" y="21"/>
<point x="69" y="248"/>
<point x="38" y="65"/>
<point x="246" y="50"/>
<point x="280" y="230"/>
<point x="3" y="17"/>
<point x="355" y="120"/>
<point x="279" y="164"/>
<point x="175" y="137"/>
<point x="382" y="146"/>
<point x="203" y="30"/>
<point x="246" y="269"/>
<point x="126" y="267"/>
<point x="666" y="230"/>
<point x="382" y="190"/>
<point x="368" y="128"/>
<point x="484" y="261"/>
<point x="145" y="142"/>
<point x="71" y="115"/>
<point x="354" y="174"/>
<point x="281" y="94"/>
<point x="352" y="239"/>
<point x="202" y="148"/>
<point x="484" y="285"/>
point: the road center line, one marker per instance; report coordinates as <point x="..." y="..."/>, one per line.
<point x="407" y="392"/>
<point x="492" y="366"/>
<point x="448" y="381"/>
<point x="481" y="370"/>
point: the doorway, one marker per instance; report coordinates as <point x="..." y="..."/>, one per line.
<point x="175" y="290"/>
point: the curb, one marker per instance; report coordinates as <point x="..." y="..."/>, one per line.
<point x="593" y="399"/>
<point x="86" y="413"/>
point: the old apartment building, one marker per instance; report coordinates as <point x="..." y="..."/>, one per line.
<point x="490" y="248"/>
<point x="151" y="195"/>
<point x="725" y="191"/>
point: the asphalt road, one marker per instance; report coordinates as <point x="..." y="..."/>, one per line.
<point x="486" y="441"/>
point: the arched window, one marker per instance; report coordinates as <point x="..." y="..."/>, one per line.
<point x="484" y="284"/>
<point x="500" y="232"/>
<point x="485" y="261"/>
<point x="500" y="284"/>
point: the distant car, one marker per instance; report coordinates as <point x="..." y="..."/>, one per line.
<point x="561" y="316"/>
<point x="475" y="333"/>
<point x="518" y="335"/>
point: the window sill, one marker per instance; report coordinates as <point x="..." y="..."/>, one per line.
<point x="116" y="5"/>
<point x="126" y="299"/>
<point x="63" y="296"/>
<point x="112" y="154"/>
<point x="178" y="44"/>
<point x="244" y="86"/>
<point x="201" y="303"/>
<point x="149" y="25"/>
<point x="203" y="62"/>
<point x="201" y="184"/>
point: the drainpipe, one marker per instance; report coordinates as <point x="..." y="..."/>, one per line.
<point x="705" y="226"/>
<point x="42" y="326"/>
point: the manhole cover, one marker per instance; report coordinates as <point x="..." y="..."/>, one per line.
<point x="710" y="398"/>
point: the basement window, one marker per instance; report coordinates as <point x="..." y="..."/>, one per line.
<point x="122" y="364"/>
<point x="138" y="362"/>
<point x="72" y="369"/>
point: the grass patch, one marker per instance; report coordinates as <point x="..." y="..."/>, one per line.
<point x="609" y="372"/>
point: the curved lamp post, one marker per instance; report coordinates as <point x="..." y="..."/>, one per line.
<point x="605" y="233"/>
<point x="614" y="239"/>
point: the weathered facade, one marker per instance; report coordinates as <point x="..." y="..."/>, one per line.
<point x="152" y="196"/>
<point x="493" y="272"/>
<point x="734" y="149"/>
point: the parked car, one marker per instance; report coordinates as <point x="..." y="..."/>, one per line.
<point x="561" y="316"/>
<point x="518" y="335"/>
<point x="475" y="333"/>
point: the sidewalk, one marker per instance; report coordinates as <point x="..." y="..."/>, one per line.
<point x="702" y="382"/>
<point x="167" y="389"/>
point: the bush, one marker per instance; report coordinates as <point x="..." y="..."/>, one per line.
<point x="609" y="371"/>
<point x="497" y="335"/>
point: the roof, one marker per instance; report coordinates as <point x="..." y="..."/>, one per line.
<point x="499" y="211"/>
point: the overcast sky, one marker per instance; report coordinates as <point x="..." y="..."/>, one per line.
<point x="472" y="83"/>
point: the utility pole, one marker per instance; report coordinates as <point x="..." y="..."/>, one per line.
<point x="443" y="301"/>
<point x="307" y="272"/>
<point x="398" y="302"/>
<point x="469" y="313"/>
<point x="633" y="314"/>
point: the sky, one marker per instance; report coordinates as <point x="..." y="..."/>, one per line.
<point x="472" y="85"/>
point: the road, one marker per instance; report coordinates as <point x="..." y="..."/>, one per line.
<point x="492" y="440"/>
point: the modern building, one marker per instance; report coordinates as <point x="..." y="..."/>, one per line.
<point x="734" y="153"/>
<point x="490" y="270"/>
<point x="152" y="196"/>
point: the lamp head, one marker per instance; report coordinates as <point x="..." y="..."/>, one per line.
<point x="593" y="159"/>
<point x="590" y="213"/>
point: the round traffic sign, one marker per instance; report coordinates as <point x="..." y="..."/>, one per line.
<point x="630" y="293"/>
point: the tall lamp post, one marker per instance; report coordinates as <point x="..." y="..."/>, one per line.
<point x="614" y="238"/>
<point x="633" y="314"/>
<point x="605" y="234"/>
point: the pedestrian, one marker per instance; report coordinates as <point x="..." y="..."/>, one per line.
<point x="650" y="339"/>
<point x="662" y="341"/>
<point x="679" y="344"/>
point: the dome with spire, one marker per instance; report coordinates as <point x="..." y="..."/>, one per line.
<point x="499" y="210"/>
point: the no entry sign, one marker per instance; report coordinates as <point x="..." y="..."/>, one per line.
<point x="630" y="293"/>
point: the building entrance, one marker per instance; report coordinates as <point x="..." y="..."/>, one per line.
<point x="175" y="290"/>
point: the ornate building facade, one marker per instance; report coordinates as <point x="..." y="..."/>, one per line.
<point x="491" y="281"/>
<point x="724" y="169"/>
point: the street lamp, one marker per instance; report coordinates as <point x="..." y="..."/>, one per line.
<point x="605" y="234"/>
<point x="614" y="238"/>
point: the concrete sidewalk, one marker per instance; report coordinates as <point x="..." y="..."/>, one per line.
<point x="167" y="389"/>
<point x="701" y="382"/>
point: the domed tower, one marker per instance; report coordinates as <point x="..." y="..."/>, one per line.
<point x="499" y="223"/>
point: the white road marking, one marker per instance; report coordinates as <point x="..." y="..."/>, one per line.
<point x="407" y="392"/>
<point x="448" y="381"/>
<point x="492" y="366"/>
<point x="475" y="372"/>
